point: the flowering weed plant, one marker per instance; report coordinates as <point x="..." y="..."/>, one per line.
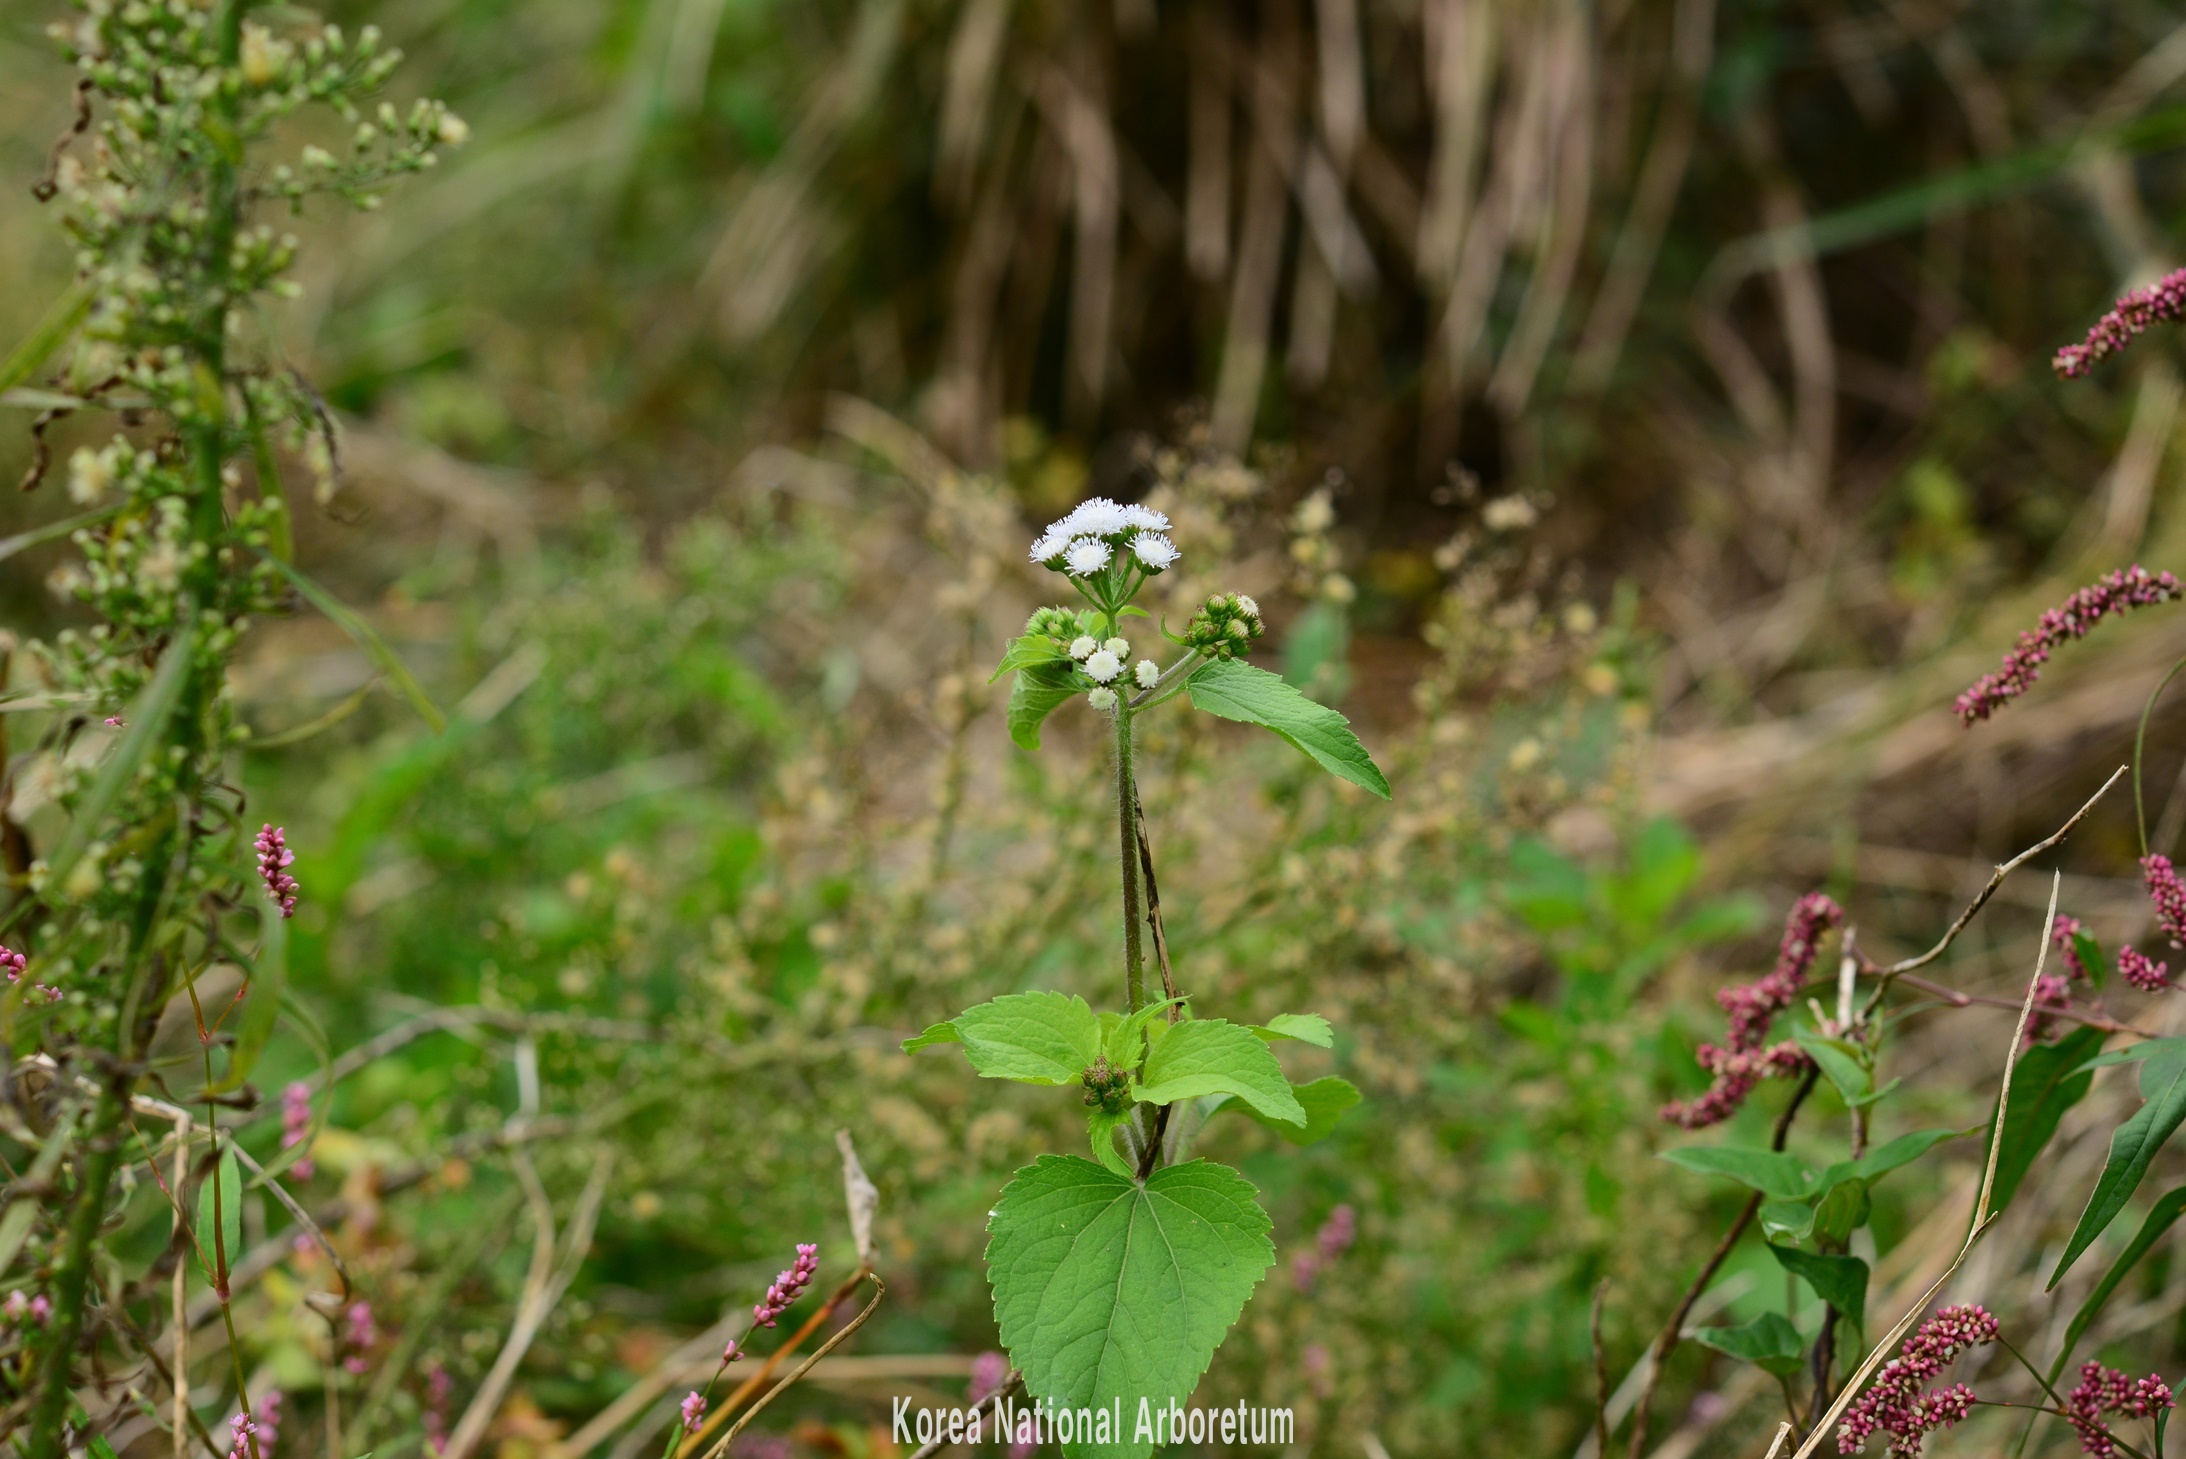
<point x="1116" y="1278"/>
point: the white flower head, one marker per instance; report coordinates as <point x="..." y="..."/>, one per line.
<point x="1102" y="666"/>
<point x="1154" y="550"/>
<point x="1120" y="647"/>
<point x="1148" y="673"/>
<point x="1145" y="518"/>
<point x="1099" y="517"/>
<point x="1102" y="699"/>
<point x="1049" y="545"/>
<point x="1082" y="645"/>
<point x="90" y="473"/>
<point x="1247" y="606"/>
<point x="1087" y="555"/>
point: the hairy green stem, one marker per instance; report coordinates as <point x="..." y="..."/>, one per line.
<point x="1134" y="958"/>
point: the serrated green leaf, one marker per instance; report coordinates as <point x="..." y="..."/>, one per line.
<point x="2132" y="1146"/>
<point x="1325" y="1101"/>
<point x="1024" y="652"/>
<point x="1841" y="1281"/>
<point x="1215" y="1056"/>
<point x="1307" y="1028"/>
<point x="2048" y="1080"/>
<point x="1107" y="1292"/>
<point x="1033" y="1038"/>
<point x="1234" y="690"/>
<point x="1036" y="693"/>
<point x="220" y="1213"/>
<point x="2161" y="1217"/>
<point x="1769" y="1342"/>
<point x="1775" y="1174"/>
<point x="1786" y="1221"/>
<point x="1100" y="1131"/>
<point x="1121" y="1035"/>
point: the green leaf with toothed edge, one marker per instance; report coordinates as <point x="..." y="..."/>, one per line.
<point x="1107" y="1291"/>
<point x="1037" y="692"/>
<point x="1307" y="1028"/>
<point x="1033" y="1038"/>
<point x="1100" y="1129"/>
<point x="1325" y="1101"/>
<point x="1233" y="690"/>
<point x="1031" y="649"/>
<point x="1215" y="1056"/>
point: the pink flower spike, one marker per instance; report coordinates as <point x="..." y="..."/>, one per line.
<point x="296" y="1126"/>
<point x="274" y="859"/>
<point x="2121" y="592"/>
<point x="1751" y="1008"/>
<point x="2061" y="934"/>
<point x="15" y="964"/>
<point x="2168" y="893"/>
<point x="2137" y="312"/>
<point x="694" y="1411"/>
<point x="788" y="1287"/>
<point x="1895" y="1402"/>
<point x="2142" y="971"/>
<point x="2106" y="1390"/>
<point x="731" y="1354"/>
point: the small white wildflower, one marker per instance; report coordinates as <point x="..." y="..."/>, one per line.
<point x="1082" y="645"/>
<point x="1247" y="606"/>
<point x="1509" y="514"/>
<point x="318" y="157"/>
<point x="262" y="56"/>
<point x="1315" y="514"/>
<point x="1148" y="673"/>
<point x="453" y="130"/>
<point x="1087" y="555"/>
<point x="1154" y="550"/>
<point x="1120" y="647"/>
<point x="162" y="565"/>
<point x="1103" y="666"/>
<point x="1102" y="699"/>
<point x="90" y="473"/>
<point x="1146" y="518"/>
<point x="1099" y="517"/>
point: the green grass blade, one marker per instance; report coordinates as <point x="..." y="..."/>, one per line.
<point x="53" y="531"/>
<point x="367" y="638"/>
<point x="147" y="727"/>
<point x="60" y="322"/>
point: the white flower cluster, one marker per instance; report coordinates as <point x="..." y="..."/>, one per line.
<point x="1103" y="664"/>
<point x="1088" y="540"/>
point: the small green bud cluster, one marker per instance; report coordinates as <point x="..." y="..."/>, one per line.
<point x="1226" y="626"/>
<point x="1107" y="1088"/>
<point x="1060" y="624"/>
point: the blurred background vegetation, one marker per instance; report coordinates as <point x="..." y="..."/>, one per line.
<point x="1636" y="414"/>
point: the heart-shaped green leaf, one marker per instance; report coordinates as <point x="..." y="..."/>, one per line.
<point x="1841" y="1281"/>
<point x="1238" y="691"/>
<point x="1034" y="1038"/>
<point x="1215" y="1056"/>
<point x="1037" y="692"/>
<point x="1769" y="1341"/>
<point x="1107" y="1292"/>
